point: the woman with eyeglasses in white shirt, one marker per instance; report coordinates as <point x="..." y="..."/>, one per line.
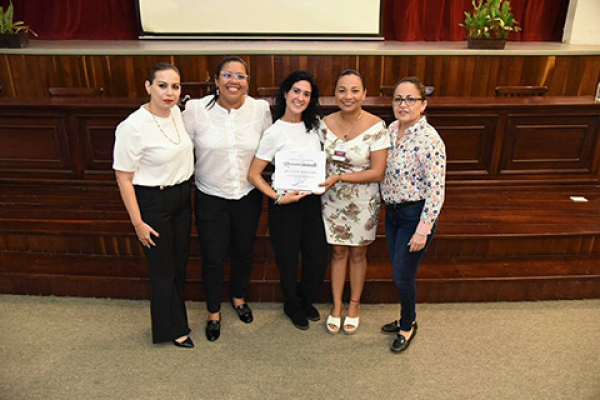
<point x="226" y="127"/>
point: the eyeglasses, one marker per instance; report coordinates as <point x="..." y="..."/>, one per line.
<point x="410" y="101"/>
<point x="231" y="75"/>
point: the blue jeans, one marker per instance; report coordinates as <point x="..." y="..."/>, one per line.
<point x="400" y="226"/>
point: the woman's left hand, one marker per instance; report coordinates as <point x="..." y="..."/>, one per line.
<point x="417" y="242"/>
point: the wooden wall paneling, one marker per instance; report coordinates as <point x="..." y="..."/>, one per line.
<point x="558" y="83"/>
<point x="535" y="71"/>
<point x="469" y="142"/>
<point x="47" y="153"/>
<point x="68" y="71"/>
<point x="464" y="75"/>
<point x="23" y="82"/>
<point x="261" y="71"/>
<point x="96" y="138"/>
<point x="5" y="77"/>
<point x="557" y="144"/>
<point x="393" y="69"/>
<point x="193" y="68"/>
<point x="370" y="68"/>
<point x="590" y="76"/>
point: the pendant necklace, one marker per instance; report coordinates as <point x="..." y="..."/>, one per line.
<point x="163" y="132"/>
<point x="352" y="126"/>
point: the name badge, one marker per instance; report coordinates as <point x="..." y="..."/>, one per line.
<point x="339" y="153"/>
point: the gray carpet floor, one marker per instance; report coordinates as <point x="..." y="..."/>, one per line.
<point x="74" y="348"/>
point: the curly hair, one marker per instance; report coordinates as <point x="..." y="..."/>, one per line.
<point x="310" y="116"/>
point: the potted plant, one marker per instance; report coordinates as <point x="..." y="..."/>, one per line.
<point x="489" y="25"/>
<point x="13" y="34"/>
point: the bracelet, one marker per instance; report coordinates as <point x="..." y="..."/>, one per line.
<point x="278" y="199"/>
<point x="421" y="233"/>
<point x="340" y="178"/>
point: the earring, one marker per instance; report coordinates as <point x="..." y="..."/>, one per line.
<point x="217" y="92"/>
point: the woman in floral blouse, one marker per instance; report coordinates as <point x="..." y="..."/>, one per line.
<point x="413" y="191"/>
<point x="356" y="144"/>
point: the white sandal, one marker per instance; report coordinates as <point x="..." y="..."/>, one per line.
<point x="335" y="321"/>
<point x="353" y="322"/>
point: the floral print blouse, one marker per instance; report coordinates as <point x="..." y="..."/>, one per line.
<point x="416" y="170"/>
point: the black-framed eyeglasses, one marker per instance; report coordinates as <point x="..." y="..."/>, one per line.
<point x="410" y="101"/>
<point x="231" y="75"/>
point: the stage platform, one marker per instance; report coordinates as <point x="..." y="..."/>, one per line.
<point x="292" y="47"/>
<point x="508" y="231"/>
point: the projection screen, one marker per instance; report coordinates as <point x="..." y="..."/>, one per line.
<point x="251" y="18"/>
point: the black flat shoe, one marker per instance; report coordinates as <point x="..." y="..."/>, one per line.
<point x="299" y="319"/>
<point x="401" y="344"/>
<point x="212" y="330"/>
<point x="186" y="344"/>
<point x="391" y="329"/>
<point x="312" y="313"/>
<point x="244" y="312"/>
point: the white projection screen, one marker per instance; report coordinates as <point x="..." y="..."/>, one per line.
<point x="264" y="18"/>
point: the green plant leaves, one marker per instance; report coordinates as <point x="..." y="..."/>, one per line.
<point x="8" y="25"/>
<point x="491" y="19"/>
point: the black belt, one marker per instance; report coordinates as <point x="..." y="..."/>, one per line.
<point x="400" y="206"/>
<point x="162" y="187"/>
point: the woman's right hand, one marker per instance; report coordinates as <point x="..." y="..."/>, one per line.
<point x="144" y="232"/>
<point x="293" y="197"/>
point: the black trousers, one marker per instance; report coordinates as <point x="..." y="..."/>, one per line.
<point x="168" y="211"/>
<point x="297" y="231"/>
<point x="225" y="225"/>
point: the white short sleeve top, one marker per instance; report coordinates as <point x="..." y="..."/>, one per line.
<point x="287" y="136"/>
<point x="225" y="143"/>
<point x="157" y="150"/>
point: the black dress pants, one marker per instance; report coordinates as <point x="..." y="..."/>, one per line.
<point x="297" y="231"/>
<point x="225" y="225"/>
<point x="168" y="211"/>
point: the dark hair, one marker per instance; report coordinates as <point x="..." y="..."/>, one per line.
<point x="310" y="116"/>
<point x="349" y="72"/>
<point x="415" y="81"/>
<point x="224" y="61"/>
<point x="161" y="66"/>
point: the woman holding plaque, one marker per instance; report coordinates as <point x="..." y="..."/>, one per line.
<point x="413" y="191"/>
<point x="295" y="224"/>
<point x="356" y="144"/>
<point x="225" y="127"/>
<point x="153" y="163"/>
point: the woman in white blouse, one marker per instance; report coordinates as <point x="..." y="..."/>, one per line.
<point x="295" y="225"/>
<point x="226" y="127"/>
<point x="153" y="163"/>
<point x="413" y="191"/>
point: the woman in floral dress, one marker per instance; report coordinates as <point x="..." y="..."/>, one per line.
<point x="356" y="144"/>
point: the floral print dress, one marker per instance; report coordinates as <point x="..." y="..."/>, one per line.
<point x="351" y="210"/>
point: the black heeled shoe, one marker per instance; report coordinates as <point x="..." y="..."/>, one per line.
<point x="212" y="330"/>
<point x="186" y="344"/>
<point x="244" y="312"/>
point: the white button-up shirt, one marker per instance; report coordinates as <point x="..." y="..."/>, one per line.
<point x="225" y="143"/>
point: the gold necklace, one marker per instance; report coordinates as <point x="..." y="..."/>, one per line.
<point x="163" y="132"/>
<point x="352" y="126"/>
